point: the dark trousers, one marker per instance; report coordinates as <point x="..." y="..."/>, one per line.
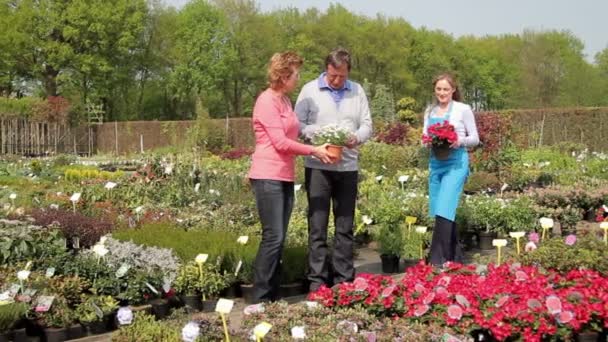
<point x="338" y="190"/>
<point x="444" y="245"/>
<point x="274" y="200"/>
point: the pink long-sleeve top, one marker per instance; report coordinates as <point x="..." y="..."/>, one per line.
<point x="275" y="126"/>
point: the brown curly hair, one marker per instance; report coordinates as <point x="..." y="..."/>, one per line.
<point x="281" y="68"/>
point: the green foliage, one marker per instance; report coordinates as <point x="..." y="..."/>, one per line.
<point x="588" y="252"/>
<point x="10" y="314"/>
<point x="293" y="267"/>
<point x="390" y="239"/>
<point x="146" y="328"/>
<point x="23" y="243"/>
<point x="481" y="181"/>
<point x="382" y="105"/>
<point x="384" y="159"/>
<point x="406" y="107"/>
<point x="60" y="315"/>
<point x="412" y="242"/>
<point x="190" y="281"/>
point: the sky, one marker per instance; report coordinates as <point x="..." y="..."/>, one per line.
<point x="584" y="18"/>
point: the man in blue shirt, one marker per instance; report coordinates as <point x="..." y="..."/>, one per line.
<point x="332" y="99"/>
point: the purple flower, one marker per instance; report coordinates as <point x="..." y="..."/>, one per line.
<point x="533" y="237"/>
<point x="570" y="239"/>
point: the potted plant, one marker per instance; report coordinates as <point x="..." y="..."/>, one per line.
<point x="94" y="312"/>
<point x="10" y="316"/>
<point x="440" y="136"/>
<point x="293" y="271"/>
<point x="187" y="285"/>
<point x="413" y="246"/>
<point x="334" y="135"/>
<point x="211" y="284"/>
<point x="56" y="321"/>
<point x="390" y="245"/>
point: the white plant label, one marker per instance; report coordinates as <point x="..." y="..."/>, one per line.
<point x="224" y="306"/>
<point x="238" y="267"/>
<point x="75" y="197"/>
<point x="262" y="329"/>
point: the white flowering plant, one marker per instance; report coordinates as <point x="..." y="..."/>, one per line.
<point x="332" y="134"/>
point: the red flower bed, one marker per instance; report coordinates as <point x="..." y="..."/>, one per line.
<point x="508" y="300"/>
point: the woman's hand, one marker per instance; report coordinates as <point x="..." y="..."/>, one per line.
<point x="455" y="144"/>
<point x="321" y="153"/>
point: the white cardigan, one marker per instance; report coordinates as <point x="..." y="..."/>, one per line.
<point x="463" y="119"/>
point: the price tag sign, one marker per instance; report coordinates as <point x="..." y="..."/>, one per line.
<point x="224" y="306"/>
<point x="238" y="267"/>
<point x="262" y="329"/>
<point x="50" y="272"/>
<point x="44" y="303"/>
<point x="154" y="290"/>
<point x="124" y="268"/>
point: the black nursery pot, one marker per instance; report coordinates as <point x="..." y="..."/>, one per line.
<point x="55" y="335"/>
<point x="160" y="308"/>
<point x="192" y="303"/>
<point x="247" y="291"/>
<point x="390" y="263"/>
<point x="485" y="240"/>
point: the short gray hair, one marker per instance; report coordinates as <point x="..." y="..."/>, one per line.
<point x="338" y="57"/>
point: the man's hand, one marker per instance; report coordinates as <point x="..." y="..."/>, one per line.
<point x="352" y="141"/>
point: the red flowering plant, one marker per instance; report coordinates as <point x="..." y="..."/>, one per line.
<point x="440" y="134"/>
<point x="509" y="301"/>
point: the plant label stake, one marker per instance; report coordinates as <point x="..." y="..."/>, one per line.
<point x="75" y="198"/>
<point x="410" y="220"/>
<point x="604" y="226"/>
<point x="200" y="260"/>
<point x="261" y="330"/>
<point x="421" y="230"/>
<point x="223" y="307"/>
<point x="499" y="244"/>
<point x="545" y="223"/>
<point x="517" y="236"/>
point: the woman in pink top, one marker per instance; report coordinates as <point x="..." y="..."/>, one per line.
<point x="272" y="171"/>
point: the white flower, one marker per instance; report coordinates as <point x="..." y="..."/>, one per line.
<point x="139" y="209"/>
<point x="23" y="275"/>
<point x="168" y="169"/>
<point x="110" y="185"/>
<point x="190" y="332"/>
<point x="242" y="239"/>
<point x="12" y="196"/>
<point x="403" y="179"/>
<point x="100" y="250"/>
<point x="102" y="240"/>
<point x="201" y="258"/>
<point x="379" y="178"/>
<point x="124" y="316"/>
<point x="367" y="220"/>
<point x="311" y="304"/>
<point x="298" y="332"/>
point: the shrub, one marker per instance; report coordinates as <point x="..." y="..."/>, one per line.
<point x="11" y="314"/>
<point x="588" y="252"/>
<point x="384" y="159"/>
<point x="24" y="243"/>
<point x="395" y="133"/>
<point x="87" y="229"/>
<point x="481" y="181"/>
<point x="390" y="239"/>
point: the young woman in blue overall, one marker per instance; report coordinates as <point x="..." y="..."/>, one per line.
<point x="447" y="176"/>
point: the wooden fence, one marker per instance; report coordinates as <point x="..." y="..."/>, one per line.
<point x="35" y="138"/>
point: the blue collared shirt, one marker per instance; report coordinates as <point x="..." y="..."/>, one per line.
<point x="336" y="94"/>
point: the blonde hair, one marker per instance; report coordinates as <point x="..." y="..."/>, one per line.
<point x="281" y="67"/>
